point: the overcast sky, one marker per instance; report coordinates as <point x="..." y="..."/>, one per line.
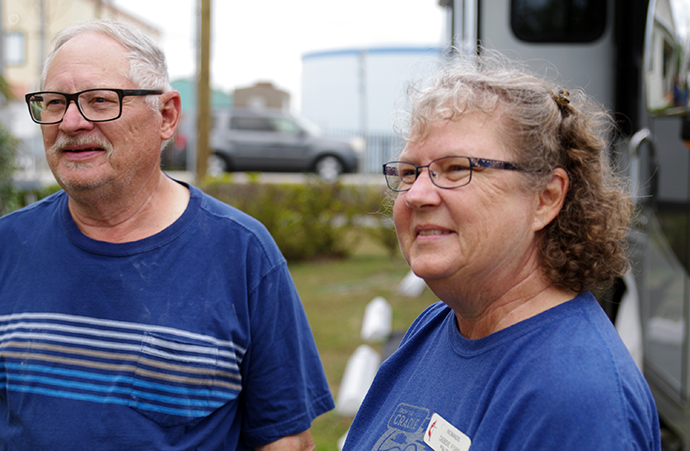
<point x="264" y="40"/>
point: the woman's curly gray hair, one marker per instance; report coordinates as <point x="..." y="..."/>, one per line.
<point x="584" y="248"/>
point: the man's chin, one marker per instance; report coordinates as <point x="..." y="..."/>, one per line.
<point x="78" y="165"/>
<point x="75" y="176"/>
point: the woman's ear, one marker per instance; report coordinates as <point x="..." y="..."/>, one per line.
<point x="551" y="199"/>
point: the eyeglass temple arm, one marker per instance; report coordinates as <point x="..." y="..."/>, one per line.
<point x="494" y="164"/>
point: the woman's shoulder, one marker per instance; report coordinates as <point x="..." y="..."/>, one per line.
<point x="579" y="350"/>
<point x="431" y="316"/>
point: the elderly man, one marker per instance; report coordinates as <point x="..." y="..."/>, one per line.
<point x="137" y="313"/>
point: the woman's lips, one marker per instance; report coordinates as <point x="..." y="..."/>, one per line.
<point x="431" y="231"/>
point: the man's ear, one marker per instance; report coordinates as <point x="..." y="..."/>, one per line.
<point x="551" y="199"/>
<point x="171" y="108"/>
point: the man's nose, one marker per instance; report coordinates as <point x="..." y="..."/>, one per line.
<point x="73" y="119"/>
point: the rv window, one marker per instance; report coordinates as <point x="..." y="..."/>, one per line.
<point x="558" y="20"/>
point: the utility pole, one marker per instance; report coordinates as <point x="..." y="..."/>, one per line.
<point x="2" y="44"/>
<point x="203" y="91"/>
<point x="450" y="6"/>
<point x="363" y="106"/>
<point x="43" y="34"/>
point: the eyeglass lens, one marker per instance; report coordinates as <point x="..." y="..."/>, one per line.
<point x="97" y="105"/>
<point x="451" y="172"/>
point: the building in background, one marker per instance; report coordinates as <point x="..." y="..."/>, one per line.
<point x="262" y="95"/>
<point x="358" y="92"/>
<point x="30" y="26"/>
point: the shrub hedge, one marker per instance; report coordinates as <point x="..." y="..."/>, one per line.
<point x="312" y="220"/>
<point x="8" y="193"/>
<point x="308" y="221"/>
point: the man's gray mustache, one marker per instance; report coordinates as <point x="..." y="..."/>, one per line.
<point x="64" y="142"/>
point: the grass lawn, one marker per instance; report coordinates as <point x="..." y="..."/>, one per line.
<point x="335" y="294"/>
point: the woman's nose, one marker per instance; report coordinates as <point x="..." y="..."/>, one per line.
<point x="423" y="191"/>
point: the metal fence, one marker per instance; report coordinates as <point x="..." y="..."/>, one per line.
<point x="379" y="148"/>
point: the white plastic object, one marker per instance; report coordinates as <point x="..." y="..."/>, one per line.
<point x="359" y="374"/>
<point x="412" y="285"/>
<point x="378" y="321"/>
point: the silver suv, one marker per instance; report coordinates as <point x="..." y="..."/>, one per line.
<point x="275" y="141"/>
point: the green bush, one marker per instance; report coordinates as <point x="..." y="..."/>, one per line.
<point x="8" y="145"/>
<point x="8" y="195"/>
<point x="18" y="199"/>
<point x="311" y="220"/>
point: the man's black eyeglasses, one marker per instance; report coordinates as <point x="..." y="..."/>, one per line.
<point x="446" y="172"/>
<point x="96" y="105"/>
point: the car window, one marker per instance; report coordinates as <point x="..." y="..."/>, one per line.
<point x="285" y="125"/>
<point x="251" y="123"/>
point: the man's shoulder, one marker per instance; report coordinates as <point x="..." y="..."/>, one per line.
<point x="228" y="219"/>
<point x="34" y="213"/>
<point x="222" y="211"/>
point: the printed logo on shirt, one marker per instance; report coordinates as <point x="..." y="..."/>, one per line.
<point x="406" y="429"/>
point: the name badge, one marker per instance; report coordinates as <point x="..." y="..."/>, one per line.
<point x="440" y="435"/>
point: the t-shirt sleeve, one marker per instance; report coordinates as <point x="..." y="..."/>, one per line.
<point x="284" y="387"/>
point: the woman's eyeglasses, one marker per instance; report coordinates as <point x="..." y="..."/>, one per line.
<point x="447" y="172"/>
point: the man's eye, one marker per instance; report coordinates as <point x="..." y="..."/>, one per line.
<point x="101" y="100"/>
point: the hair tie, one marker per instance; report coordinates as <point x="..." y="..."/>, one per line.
<point x="563" y="98"/>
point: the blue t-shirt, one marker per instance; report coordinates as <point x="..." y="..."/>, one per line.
<point x="194" y="338"/>
<point x="561" y="380"/>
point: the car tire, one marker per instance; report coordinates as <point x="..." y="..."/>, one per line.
<point x="328" y="168"/>
<point x="217" y="165"/>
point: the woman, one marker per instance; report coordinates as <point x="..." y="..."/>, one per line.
<point x="507" y="207"/>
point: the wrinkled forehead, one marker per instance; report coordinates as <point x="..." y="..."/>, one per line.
<point x="425" y="124"/>
<point x="88" y="58"/>
<point x="473" y="134"/>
